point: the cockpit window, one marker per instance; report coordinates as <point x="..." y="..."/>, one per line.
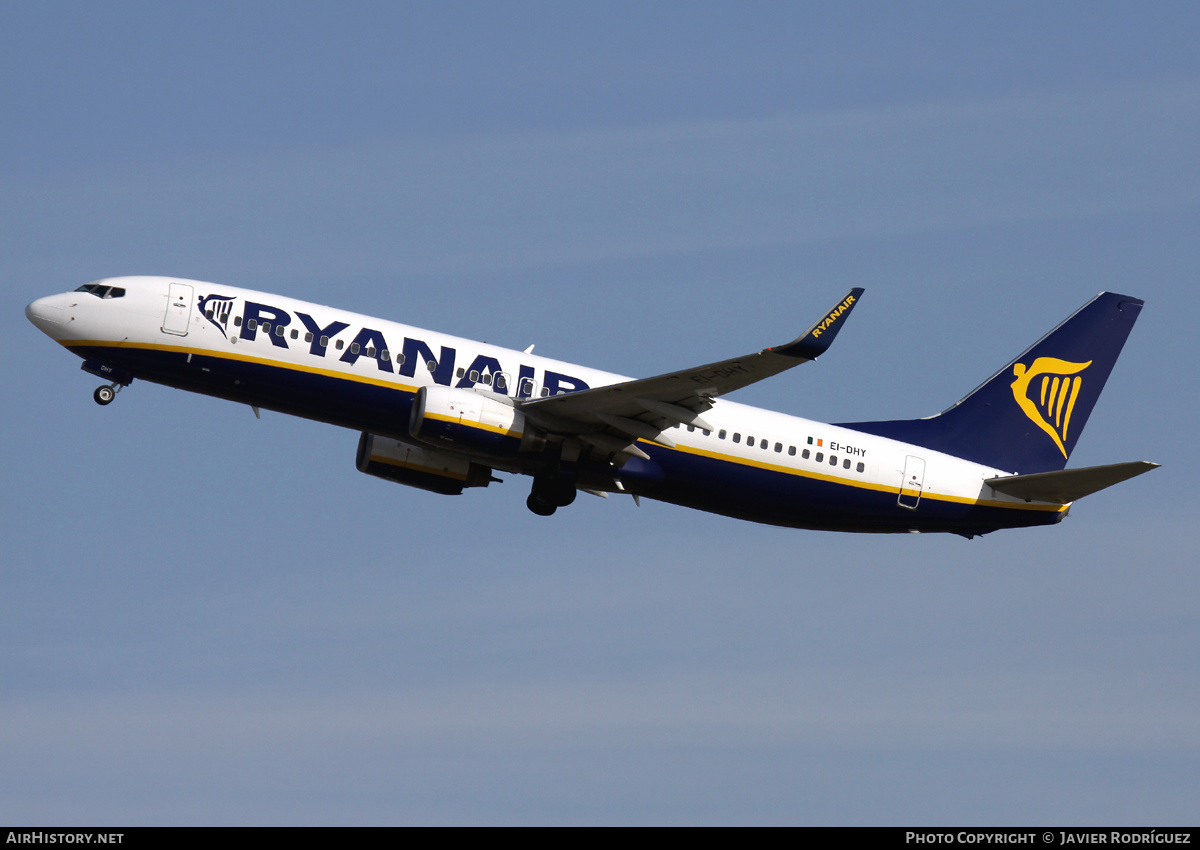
<point x="102" y="291"/>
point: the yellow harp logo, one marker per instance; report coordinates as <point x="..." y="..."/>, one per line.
<point x="1055" y="394"/>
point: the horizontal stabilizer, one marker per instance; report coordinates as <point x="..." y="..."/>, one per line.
<point x="1067" y="485"/>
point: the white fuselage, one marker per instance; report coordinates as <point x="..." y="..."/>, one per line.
<point x="284" y="354"/>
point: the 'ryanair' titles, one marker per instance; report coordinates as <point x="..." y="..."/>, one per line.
<point x="350" y="344"/>
<point x="833" y="316"/>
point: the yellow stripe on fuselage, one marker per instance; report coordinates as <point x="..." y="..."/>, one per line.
<point x="243" y="358"/>
<point x="862" y="485"/>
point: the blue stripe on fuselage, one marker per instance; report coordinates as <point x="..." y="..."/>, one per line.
<point x="366" y="405"/>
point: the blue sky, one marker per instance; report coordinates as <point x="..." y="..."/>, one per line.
<point x="207" y="618"/>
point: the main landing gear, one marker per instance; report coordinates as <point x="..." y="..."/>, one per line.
<point x="105" y="394"/>
<point x="551" y="492"/>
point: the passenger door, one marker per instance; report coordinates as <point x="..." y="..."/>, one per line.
<point x="912" y="482"/>
<point x="179" y="310"/>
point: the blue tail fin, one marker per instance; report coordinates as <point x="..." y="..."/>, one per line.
<point x="1027" y="417"/>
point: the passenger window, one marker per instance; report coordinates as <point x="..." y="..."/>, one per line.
<point x="804" y="454"/>
<point x="431" y="365"/>
<point x="354" y="348"/>
<point x="279" y="330"/>
<point x="266" y="328"/>
<point x="779" y="447"/>
<point x="208" y="314"/>
<point x="861" y="466"/>
<point x="324" y="341"/>
<point x="474" y="375"/>
<point x="737" y="438"/>
<point x="237" y="322"/>
<point x="296" y="334"/>
<point x="500" y="382"/>
<point x="385" y="355"/>
<point x="846" y="463"/>
<point x="252" y="324"/>
<point x="721" y="434"/>
<point x="706" y="433"/>
<point x="370" y="351"/>
<point x="340" y="343"/>
<point x="461" y="371"/>
<point x="820" y="457"/>
<point x="791" y="451"/>
<point x="545" y="391"/>
<point x="487" y="379"/>
<point x="833" y="460"/>
<point x="400" y="359"/>
<point x="690" y="428"/>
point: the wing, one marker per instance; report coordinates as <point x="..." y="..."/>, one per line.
<point x="613" y="417"/>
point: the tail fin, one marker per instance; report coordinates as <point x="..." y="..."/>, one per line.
<point x="1027" y="417"/>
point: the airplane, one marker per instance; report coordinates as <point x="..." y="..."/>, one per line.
<point x="443" y="414"/>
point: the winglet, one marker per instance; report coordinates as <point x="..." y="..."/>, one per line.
<point x="819" y="337"/>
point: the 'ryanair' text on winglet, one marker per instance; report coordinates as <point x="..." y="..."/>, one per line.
<point x="819" y="337"/>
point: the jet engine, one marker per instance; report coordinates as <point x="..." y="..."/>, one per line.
<point x="471" y="422"/>
<point x="427" y="469"/>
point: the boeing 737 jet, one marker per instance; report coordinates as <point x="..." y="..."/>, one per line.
<point x="445" y="414"/>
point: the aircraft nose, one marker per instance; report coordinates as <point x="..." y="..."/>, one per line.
<point x="45" y="313"/>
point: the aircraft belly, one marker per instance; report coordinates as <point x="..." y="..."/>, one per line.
<point x="797" y="501"/>
<point x="325" y="398"/>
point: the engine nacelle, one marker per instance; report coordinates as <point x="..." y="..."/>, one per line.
<point x="471" y="422"/>
<point x="427" y="469"/>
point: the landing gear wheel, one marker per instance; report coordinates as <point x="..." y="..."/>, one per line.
<point x="539" y="507"/>
<point x="104" y="395"/>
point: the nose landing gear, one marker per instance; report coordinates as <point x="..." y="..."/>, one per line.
<point x="105" y="394"/>
<point x="118" y="377"/>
